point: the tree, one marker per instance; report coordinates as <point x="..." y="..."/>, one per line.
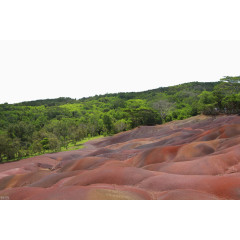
<point x="53" y="143"/>
<point x="139" y="117"/>
<point x="231" y="80"/>
<point x="107" y="121"/>
<point x="37" y="147"/>
<point x="136" y="103"/>
<point x="120" y="125"/>
<point x="226" y="87"/>
<point x="206" y="98"/>
<point x="231" y="85"/>
<point x="231" y="104"/>
<point x="163" y="107"/>
<point x="9" y="148"/>
<point x="118" y="103"/>
<point x="21" y="130"/>
<point x="207" y="103"/>
<point x="61" y="129"/>
<point x="79" y="133"/>
<point x="3" y="145"/>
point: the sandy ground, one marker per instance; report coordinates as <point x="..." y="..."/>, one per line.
<point x="196" y="158"/>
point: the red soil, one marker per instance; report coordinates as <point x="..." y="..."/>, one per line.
<point x="196" y="158"/>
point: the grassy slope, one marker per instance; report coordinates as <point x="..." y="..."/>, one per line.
<point x="71" y="147"/>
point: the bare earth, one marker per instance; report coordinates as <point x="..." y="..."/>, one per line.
<point x="196" y="158"/>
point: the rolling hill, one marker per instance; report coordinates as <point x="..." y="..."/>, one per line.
<point x="195" y="158"/>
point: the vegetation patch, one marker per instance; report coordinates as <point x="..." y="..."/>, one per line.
<point x="63" y="124"/>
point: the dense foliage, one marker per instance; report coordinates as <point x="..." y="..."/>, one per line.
<point x="50" y="125"/>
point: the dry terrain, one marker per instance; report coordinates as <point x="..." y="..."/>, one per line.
<point x="196" y="158"/>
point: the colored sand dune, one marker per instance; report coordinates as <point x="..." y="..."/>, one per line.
<point x="196" y="158"/>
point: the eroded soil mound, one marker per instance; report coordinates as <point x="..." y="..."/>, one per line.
<point x="196" y="158"/>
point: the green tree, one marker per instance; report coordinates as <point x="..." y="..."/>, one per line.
<point x="231" y="104"/>
<point x="21" y="130"/>
<point x="107" y="121"/>
<point x="9" y="148"/>
<point x="120" y="125"/>
<point x="3" y="146"/>
<point x="207" y="103"/>
<point x="232" y="84"/>
<point x="37" y="147"/>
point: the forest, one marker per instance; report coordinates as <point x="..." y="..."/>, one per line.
<point x="52" y="125"/>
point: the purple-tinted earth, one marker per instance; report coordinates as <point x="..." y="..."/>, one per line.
<point x="196" y="158"/>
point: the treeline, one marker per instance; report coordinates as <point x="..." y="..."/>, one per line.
<point x="225" y="98"/>
<point x="53" y="124"/>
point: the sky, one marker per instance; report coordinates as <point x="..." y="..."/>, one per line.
<point x="31" y="70"/>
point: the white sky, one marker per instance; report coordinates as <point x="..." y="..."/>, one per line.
<point x="31" y="70"/>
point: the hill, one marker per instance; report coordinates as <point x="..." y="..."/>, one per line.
<point x="53" y="125"/>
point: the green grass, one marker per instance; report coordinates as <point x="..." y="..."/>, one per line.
<point x="71" y="147"/>
<point x="79" y="144"/>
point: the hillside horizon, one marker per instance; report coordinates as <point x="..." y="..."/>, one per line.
<point x="53" y="125"/>
<point x="106" y="94"/>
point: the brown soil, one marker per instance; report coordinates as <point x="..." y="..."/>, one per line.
<point x="196" y="158"/>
